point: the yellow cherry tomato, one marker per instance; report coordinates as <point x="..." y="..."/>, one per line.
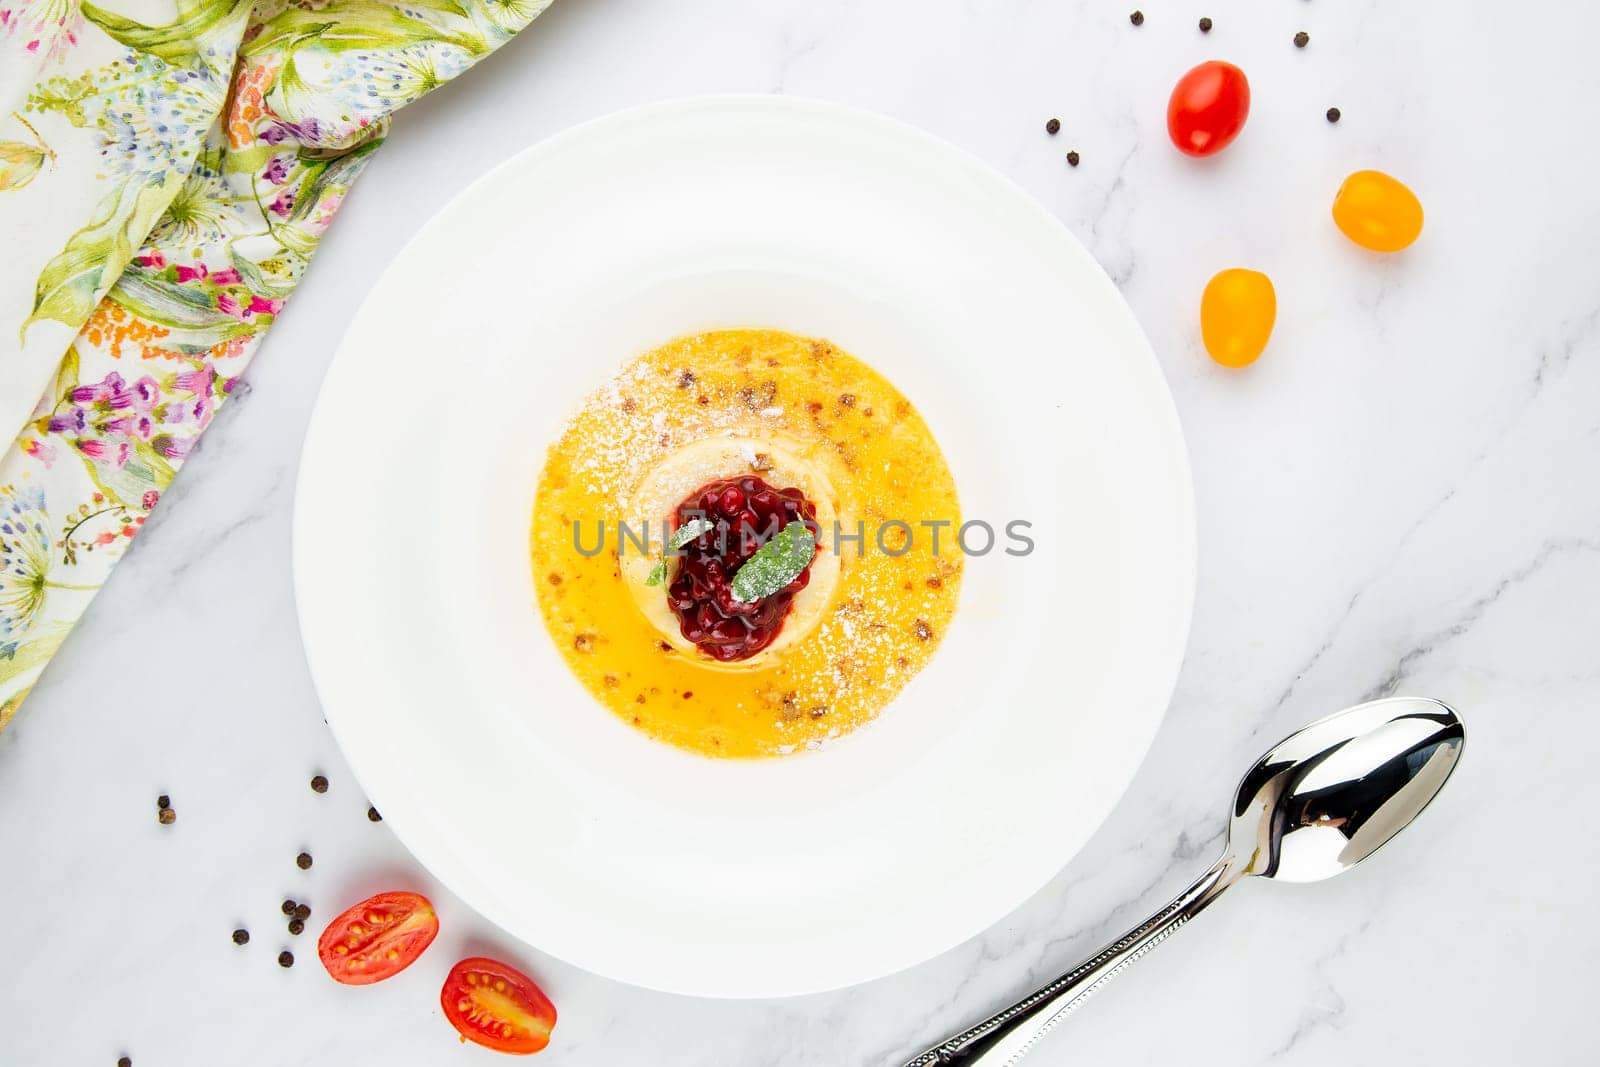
<point x="1377" y="211"/>
<point x="1237" y="311"/>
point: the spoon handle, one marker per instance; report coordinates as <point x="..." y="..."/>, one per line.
<point x="1005" y="1037"/>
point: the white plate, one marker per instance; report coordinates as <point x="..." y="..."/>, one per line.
<point x="543" y="810"/>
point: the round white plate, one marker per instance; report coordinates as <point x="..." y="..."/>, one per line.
<point x="542" y="809"/>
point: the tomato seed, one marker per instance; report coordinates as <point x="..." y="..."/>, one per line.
<point x="303" y="861"/>
<point x="289" y="907"/>
<point x="166" y="816"/>
<point x="319" y="784"/>
<point x="296" y="927"/>
<point x="286" y="958"/>
<point x="241" y="936"/>
<point x="373" y="816"/>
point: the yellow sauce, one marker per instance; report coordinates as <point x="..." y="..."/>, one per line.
<point x="887" y="613"/>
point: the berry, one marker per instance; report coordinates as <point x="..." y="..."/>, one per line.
<point x="743" y="512"/>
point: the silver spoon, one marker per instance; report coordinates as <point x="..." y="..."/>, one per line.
<point x="1320" y="802"/>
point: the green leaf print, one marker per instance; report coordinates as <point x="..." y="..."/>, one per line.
<point x="145" y="469"/>
<point x="66" y="376"/>
<point x="185" y="308"/>
<point x="200" y="25"/>
<point x="21" y="161"/>
<point x="73" y="282"/>
<point x="273" y="276"/>
<point x="343" y="25"/>
<point x="24" y="656"/>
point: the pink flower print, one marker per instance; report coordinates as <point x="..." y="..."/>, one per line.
<point x="151" y="498"/>
<point x="283" y="204"/>
<point x="105" y="538"/>
<point x="229" y="305"/>
<point x="322" y="216"/>
<point x="118" y="396"/>
<point x="277" y="171"/>
<point x="195" y="381"/>
<point x="203" y="410"/>
<point x="146" y="393"/>
<point x="104" y="452"/>
<point x="42" y="451"/>
<point x="260" y="304"/>
<point x="196" y="273"/>
<point x="173" y="447"/>
<point x="151" y="259"/>
<point x="73" y="420"/>
<point x="225" y="277"/>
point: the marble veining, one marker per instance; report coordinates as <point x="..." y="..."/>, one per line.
<point x="1400" y="497"/>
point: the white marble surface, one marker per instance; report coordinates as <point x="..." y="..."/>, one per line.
<point x="1403" y="496"/>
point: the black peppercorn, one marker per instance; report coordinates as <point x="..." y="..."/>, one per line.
<point x="373" y="816"/>
<point x="124" y="1061"/>
<point x="1333" y="114"/>
<point x="1302" y="39"/>
<point x="1053" y="127"/>
<point x="303" y="861"/>
<point x="296" y="927"/>
<point x="241" y="936"/>
<point x="319" y="784"/>
<point x="163" y="801"/>
<point x="302" y="912"/>
<point x="286" y="958"/>
<point x="1072" y="158"/>
<point x="289" y="906"/>
<point x="1205" y="25"/>
<point x="1137" y="18"/>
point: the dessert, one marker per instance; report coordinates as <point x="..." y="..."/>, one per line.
<point x="744" y="543"/>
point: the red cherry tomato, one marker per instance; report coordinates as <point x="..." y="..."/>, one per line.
<point x="497" y="1006"/>
<point x="377" y="938"/>
<point x="1208" y="108"/>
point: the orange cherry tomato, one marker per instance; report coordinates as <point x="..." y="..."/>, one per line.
<point x="1208" y="108"/>
<point x="378" y="938"/>
<point x="1237" y="311"/>
<point x="1377" y="211"/>
<point x="497" y="1006"/>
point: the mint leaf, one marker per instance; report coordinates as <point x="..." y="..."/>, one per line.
<point x="776" y="563"/>
<point x="680" y="537"/>
<point x="689" y="531"/>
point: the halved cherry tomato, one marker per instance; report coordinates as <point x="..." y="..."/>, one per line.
<point x="378" y="938"/>
<point x="497" y="1006"/>
<point x="1208" y="108"/>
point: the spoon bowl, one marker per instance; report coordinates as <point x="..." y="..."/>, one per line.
<point x="1327" y="797"/>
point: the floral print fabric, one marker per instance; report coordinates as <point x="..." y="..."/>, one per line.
<point x="167" y="168"/>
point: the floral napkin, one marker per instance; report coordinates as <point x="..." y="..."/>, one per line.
<point x="167" y="168"/>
